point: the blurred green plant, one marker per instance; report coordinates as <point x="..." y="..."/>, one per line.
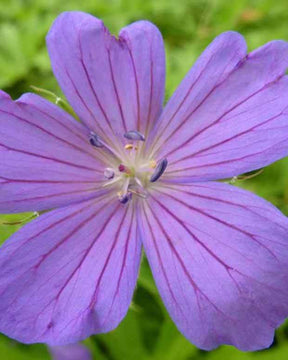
<point x="187" y="27"/>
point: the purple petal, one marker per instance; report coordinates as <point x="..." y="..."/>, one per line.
<point x="4" y="95"/>
<point x="113" y="85"/>
<point x="229" y="115"/>
<point x="70" y="273"/>
<point x="70" y="352"/>
<point x="219" y="257"/>
<point x="46" y="159"/>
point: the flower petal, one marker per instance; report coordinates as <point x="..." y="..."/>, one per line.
<point x="70" y="273"/>
<point x="4" y="95"/>
<point x="219" y="257"/>
<point x="46" y="159"/>
<point x="114" y="85"/>
<point x="70" y="352"/>
<point x="229" y="115"/>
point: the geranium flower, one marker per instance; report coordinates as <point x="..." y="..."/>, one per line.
<point x="131" y="173"/>
<point x="70" y="352"/>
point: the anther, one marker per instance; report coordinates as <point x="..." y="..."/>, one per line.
<point x="160" y="168"/>
<point x="122" y="168"/>
<point x="125" y="198"/>
<point x="109" y="173"/>
<point x="134" y="135"/>
<point x="95" y="140"/>
<point x="128" y="146"/>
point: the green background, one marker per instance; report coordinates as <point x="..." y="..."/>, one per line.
<point x="187" y="27"/>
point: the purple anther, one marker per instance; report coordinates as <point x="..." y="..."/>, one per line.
<point x="134" y="135"/>
<point x="121" y="168"/>
<point x="125" y="198"/>
<point x="160" y="168"/>
<point x="95" y="140"/>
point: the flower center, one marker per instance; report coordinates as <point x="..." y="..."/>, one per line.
<point x="131" y="174"/>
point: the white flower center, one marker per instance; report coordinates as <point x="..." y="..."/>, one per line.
<point x="135" y="173"/>
<point x="132" y="176"/>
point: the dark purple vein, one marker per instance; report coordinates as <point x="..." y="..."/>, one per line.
<point x="160" y="260"/>
<point x="50" y="158"/>
<point x="229" y="161"/>
<point x="62" y="124"/>
<point x="236" y="67"/>
<point x="51" y="226"/>
<point x="100" y="277"/>
<point x="178" y="256"/>
<point x="206" y="197"/>
<point x="77" y="134"/>
<point x="235" y="106"/>
<point x="86" y="252"/>
<point x="138" y="126"/>
<point x="47" y="132"/>
<point x="116" y="91"/>
<point x="93" y="192"/>
<point x="231" y="226"/>
<point x="226" y="140"/>
<point x="120" y="277"/>
<point x="148" y="121"/>
<point x="185" y="97"/>
<point x="32" y="181"/>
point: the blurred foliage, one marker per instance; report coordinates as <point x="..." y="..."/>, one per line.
<point x="187" y="27"/>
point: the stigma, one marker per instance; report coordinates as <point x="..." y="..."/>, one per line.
<point x="130" y="173"/>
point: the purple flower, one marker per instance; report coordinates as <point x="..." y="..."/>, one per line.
<point x="70" y="352"/>
<point x="131" y="173"/>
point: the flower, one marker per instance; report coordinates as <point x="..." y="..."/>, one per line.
<point x="131" y="173"/>
<point x="70" y="352"/>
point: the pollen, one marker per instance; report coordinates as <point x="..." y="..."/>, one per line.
<point x="152" y="164"/>
<point x="129" y="146"/>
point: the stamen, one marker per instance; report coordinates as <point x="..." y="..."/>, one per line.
<point x="160" y="168"/>
<point x="111" y="182"/>
<point x="122" y="168"/>
<point x="134" y="135"/>
<point x="133" y="172"/>
<point x="125" y="186"/>
<point x="138" y="190"/>
<point x="131" y="147"/>
<point x="109" y="173"/>
<point x="138" y="181"/>
<point x="125" y="198"/>
<point x="95" y="140"/>
<point x="128" y="146"/>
